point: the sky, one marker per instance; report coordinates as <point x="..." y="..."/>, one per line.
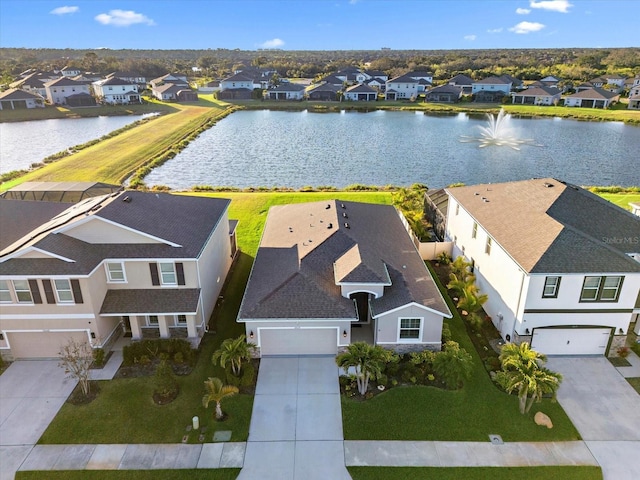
<point x="318" y="24"/>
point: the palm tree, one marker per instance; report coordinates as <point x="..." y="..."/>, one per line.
<point x="233" y="351"/>
<point x="471" y="302"/>
<point x="368" y="360"/>
<point x="460" y="267"/>
<point x="458" y="285"/>
<point x="523" y="371"/>
<point x="215" y="391"/>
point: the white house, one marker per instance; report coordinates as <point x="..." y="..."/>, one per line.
<point x="592" y="98"/>
<point x="116" y="91"/>
<point x="330" y="273"/>
<point x="59" y="90"/>
<point x="152" y="265"/>
<point x="561" y="266"/>
<point x="361" y="93"/>
<point x="286" y="91"/>
<point x="239" y="80"/>
<point x="70" y="71"/>
<point x="408" y="85"/>
<point x="14" y="99"/>
<point x="537" y="96"/>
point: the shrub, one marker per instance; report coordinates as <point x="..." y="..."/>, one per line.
<point x="248" y="377"/>
<point x="453" y="365"/>
<point x="444" y="258"/>
<point x="144" y="360"/>
<point x="446" y="333"/>
<point x="178" y="357"/>
<point x="98" y="357"/>
<point x="623" y="352"/>
<point x="154" y="348"/>
<point x="166" y="384"/>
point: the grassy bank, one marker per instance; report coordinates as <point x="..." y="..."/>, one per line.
<point x="476" y="473"/>
<point x="115" y="159"/>
<point x="55" y="112"/>
<point x="618" y="113"/>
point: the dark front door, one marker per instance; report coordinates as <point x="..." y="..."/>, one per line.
<point x="362" y="304"/>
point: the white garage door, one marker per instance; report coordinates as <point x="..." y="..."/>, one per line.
<point x="41" y="344"/>
<point x="298" y="341"/>
<point x="571" y="341"/>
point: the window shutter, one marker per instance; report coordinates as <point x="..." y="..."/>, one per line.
<point x="180" y="273"/>
<point x="155" y="278"/>
<point x="77" y="293"/>
<point x="35" y="291"/>
<point x="48" y="291"/>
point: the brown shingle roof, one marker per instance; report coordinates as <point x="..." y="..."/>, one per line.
<point x="156" y="301"/>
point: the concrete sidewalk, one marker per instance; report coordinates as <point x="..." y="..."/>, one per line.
<point x="465" y="454"/>
<point x="113" y="364"/>
<point x="634" y="370"/>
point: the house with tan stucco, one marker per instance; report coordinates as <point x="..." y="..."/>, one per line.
<point x="146" y="265"/>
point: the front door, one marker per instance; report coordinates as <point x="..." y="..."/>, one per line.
<point x="126" y="326"/>
<point x="362" y="305"/>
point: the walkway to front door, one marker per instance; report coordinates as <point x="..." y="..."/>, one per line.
<point x="296" y="425"/>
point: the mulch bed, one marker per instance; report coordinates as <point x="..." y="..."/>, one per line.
<point x="148" y="369"/>
<point x="78" y="398"/>
<point x="165" y="399"/>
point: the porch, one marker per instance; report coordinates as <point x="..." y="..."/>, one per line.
<point x="363" y="332"/>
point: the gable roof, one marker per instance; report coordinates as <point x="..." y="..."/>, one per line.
<point x="288" y="87"/>
<point x="114" y="81"/>
<point x="595" y="93"/>
<point x="17" y="94"/>
<point x="461" y="80"/>
<point x="452" y="89"/>
<point x="361" y="88"/>
<point x="494" y="81"/>
<point x="541" y="91"/>
<point x="548" y="226"/>
<point x="307" y="248"/>
<point x="63" y="82"/>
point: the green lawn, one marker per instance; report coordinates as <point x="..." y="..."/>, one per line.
<point x="191" y="474"/>
<point x="621" y="199"/>
<point x="476" y="473"/>
<point x="468" y="414"/>
<point x="635" y="383"/>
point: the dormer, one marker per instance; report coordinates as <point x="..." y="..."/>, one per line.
<point x="354" y="274"/>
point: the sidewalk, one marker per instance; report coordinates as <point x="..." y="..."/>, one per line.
<point x="634" y="370"/>
<point x="113" y="364"/>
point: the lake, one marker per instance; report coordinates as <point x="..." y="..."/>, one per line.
<point x="295" y="149"/>
<point x="24" y="143"/>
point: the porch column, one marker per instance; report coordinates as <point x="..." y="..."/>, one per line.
<point x="163" y="324"/>
<point x="192" y="331"/>
<point x="135" y="327"/>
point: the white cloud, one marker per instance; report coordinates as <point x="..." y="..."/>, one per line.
<point x="123" y="18"/>
<point x="494" y="30"/>
<point x="64" y="10"/>
<point x="273" y="43"/>
<point x="561" y="6"/>
<point x="470" y="37"/>
<point x="526" y="27"/>
<point x="523" y="11"/>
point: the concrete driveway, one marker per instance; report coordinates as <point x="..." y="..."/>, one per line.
<point x="296" y="425"/>
<point x="31" y="393"/>
<point x="606" y="411"/>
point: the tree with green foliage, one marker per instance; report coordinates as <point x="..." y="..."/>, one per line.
<point x="454" y="365"/>
<point x="471" y="303"/>
<point x="410" y="201"/>
<point x="216" y="391"/>
<point x="166" y="385"/>
<point x="233" y="351"/>
<point x="523" y="371"/>
<point x="368" y="360"/>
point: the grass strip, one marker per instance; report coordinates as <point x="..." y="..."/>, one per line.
<point x="476" y="473"/>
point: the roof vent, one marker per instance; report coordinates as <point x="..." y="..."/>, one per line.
<point x="346" y="225"/>
<point x="330" y="226"/>
<point x="327" y="207"/>
<point x="344" y="214"/>
<point x="476" y="193"/>
<point x="290" y="230"/>
<point x="548" y="185"/>
<point x="485" y="200"/>
<point x="127" y="199"/>
<point x="342" y="205"/>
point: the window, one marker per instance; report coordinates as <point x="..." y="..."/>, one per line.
<point x="23" y="292"/>
<point x="410" y="328"/>
<point x="115" y="272"/>
<point x="153" y="320"/>
<point x="487" y="247"/>
<point x="551" y="286"/>
<point x="168" y="273"/>
<point x="601" y="289"/>
<point x="457" y="208"/>
<point x="181" y="319"/>
<point x="474" y="232"/>
<point x="5" y="293"/>
<point x="63" y="291"/>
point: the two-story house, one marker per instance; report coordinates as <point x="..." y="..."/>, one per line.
<point x="116" y="91"/>
<point x="151" y="265"/>
<point x="491" y="89"/>
<point x="65" y="91"/>
<point x="561" y="266"/>
<point x="408" y="85"/>
<point x="330" y="273"/>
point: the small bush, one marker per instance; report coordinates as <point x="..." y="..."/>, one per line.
<point x="178" y="357"/>
<point x="154" y="348"/>
<point x="623" y="352"/>
<point x="248" y="377"/>
<point x="144" y="360"/>
<point x="98" y="357"/>
<point x="446" y="333"/>
<point x="166" y="385"/>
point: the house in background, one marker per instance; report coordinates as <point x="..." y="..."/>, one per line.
<point x="238" y="86"/>
<point x="70" y="71"/>
<point x="15" y="99"/>
<point x="331" y="273"/>
<point x="131" y="77"/>
<point x="149" y="264"/>
<point x="361" y="93"/>
<point x="116" y="91"/>
<point x="286" y="91"/>
<point x="560" y="265"/>
<point x="463" y="82"/>
<point x="491" y="89"/>
<point x="408" y="85"/>
<point x="592" y="98"/>
<point x="65" y="91"/>
<point x="537" y="96"/>
<point x="325" y="92"/>
<point x="635" y="208"/>
<point x="444" y="94"/>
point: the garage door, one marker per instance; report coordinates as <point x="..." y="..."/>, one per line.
<point x="571" y="341"/>
<point x="298" y="341"/>
<point x="41" y="344"/>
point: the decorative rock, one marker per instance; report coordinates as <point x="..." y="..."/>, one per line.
<point x="185" y="439"/>
<point x="543" y="419"/>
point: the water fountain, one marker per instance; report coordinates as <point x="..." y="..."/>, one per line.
<point x="497" y="133"/>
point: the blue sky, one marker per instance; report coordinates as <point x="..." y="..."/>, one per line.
<point x="318" y="24"/>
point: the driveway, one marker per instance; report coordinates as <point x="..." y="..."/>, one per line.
<point x="296" y="425"/>
<point x="31" y="393"/>
<point x="606" y="411"/>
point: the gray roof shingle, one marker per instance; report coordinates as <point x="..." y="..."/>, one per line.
<point x="155" y="301"/>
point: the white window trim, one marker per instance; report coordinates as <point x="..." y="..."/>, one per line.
<point x="597" y="289"/>
<point x="70" y="290"/>
<point x="148" y="320"/>
<point x="411" y="340"/>
<point x="30" y="302"/>
<point x="177" y="322"/>
<point x="8" y="290"/>
<point x="111" y="280"/>
<point x="160" y="274"/>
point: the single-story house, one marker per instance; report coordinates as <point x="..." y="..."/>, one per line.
<point x="558" y="263"/>
<point x="634" y="102"/>
<point x="361" y="92"/>
<point x="444" y="94"/>
<point x="175" y="93"/>
<point x="325" y="92"/>
<point x="209" y="87"/>
<point x="174" y="78"/>
<point x="142" y="264"/>
<point x="15" y="99"/>
<point x="286" y="91"/>
<point x="537" y="96"/>
<point x="592" y="98"/>
<point x="331" y="273"/>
